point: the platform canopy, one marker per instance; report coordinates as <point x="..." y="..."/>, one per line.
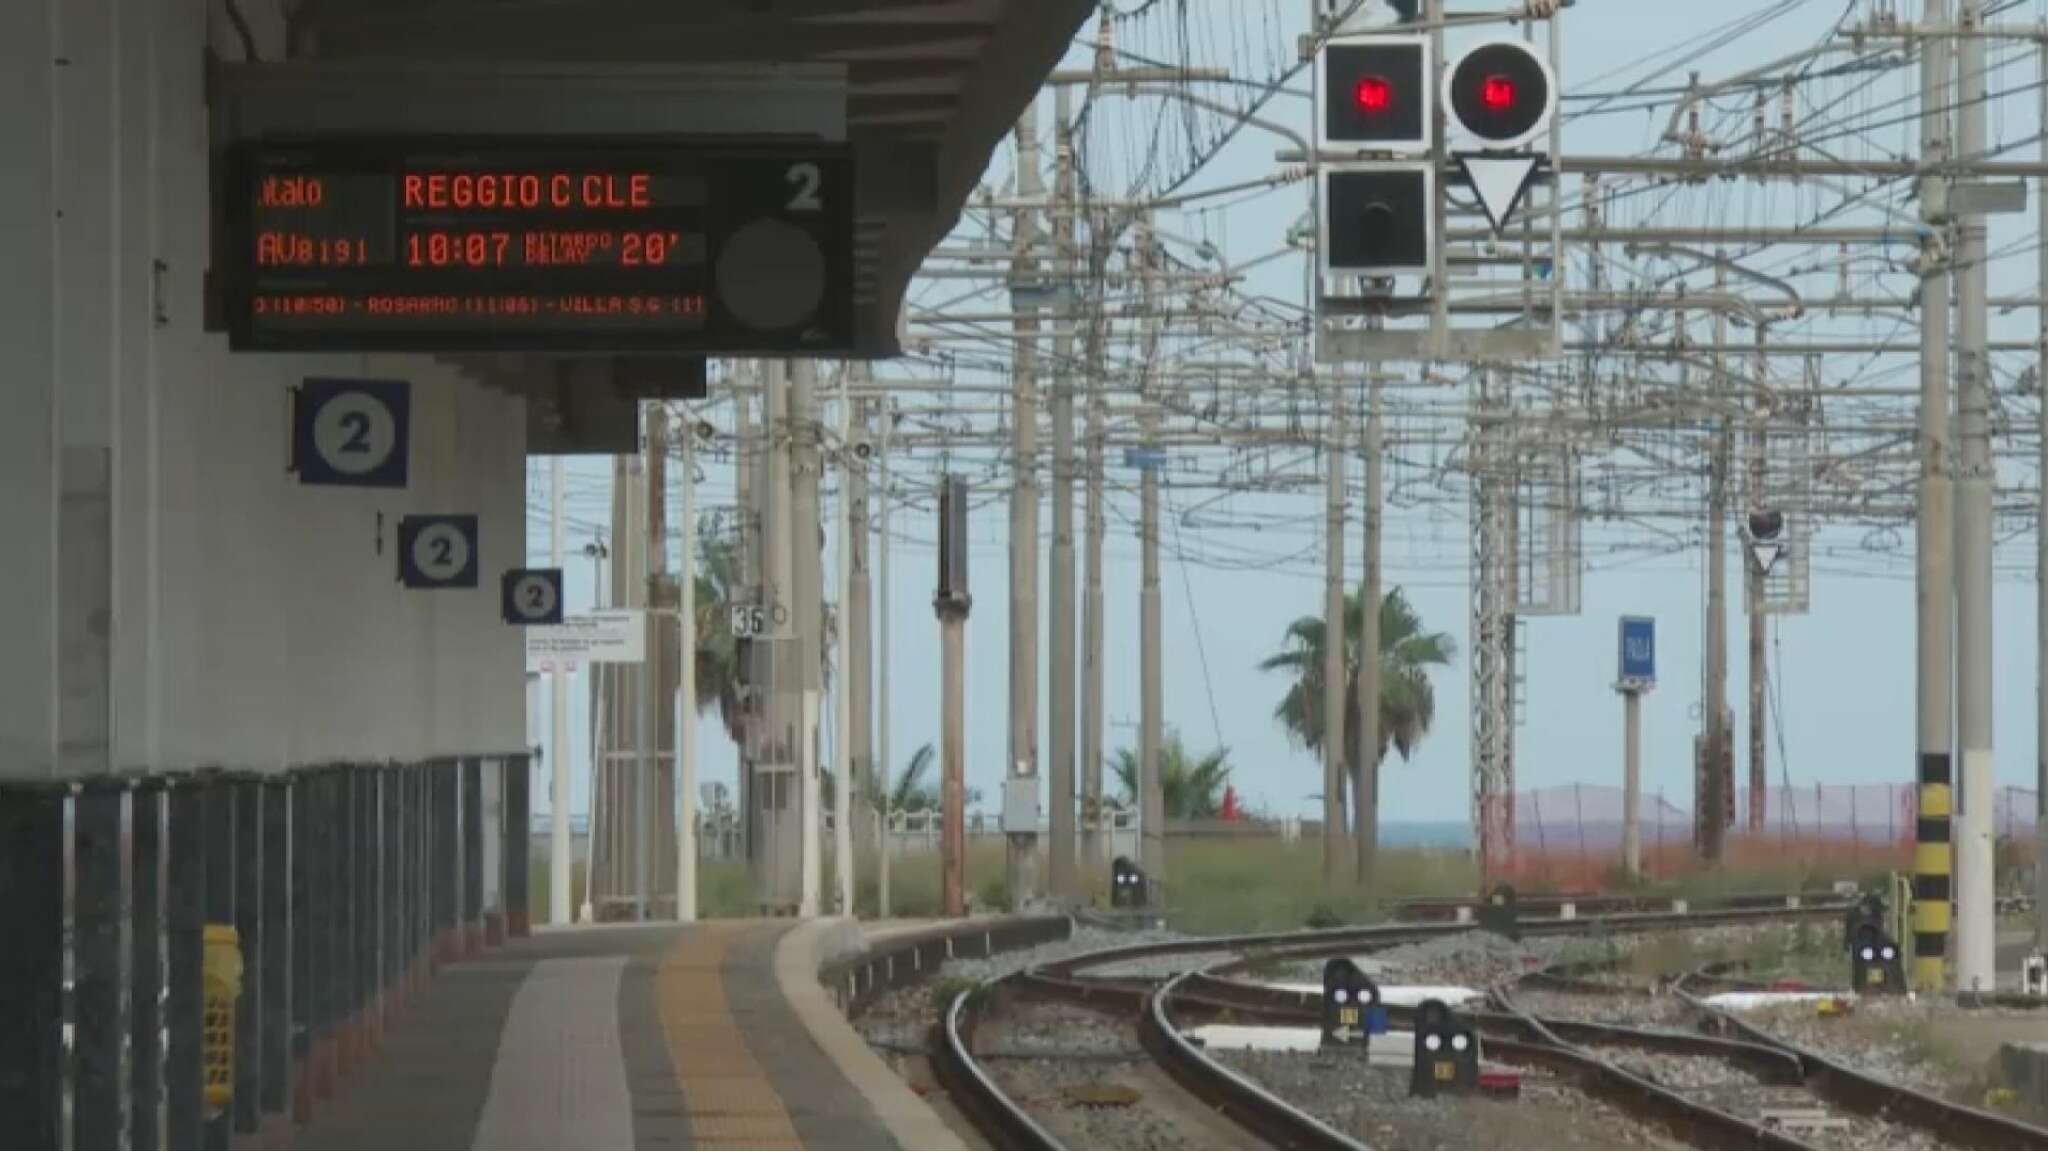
<point x="932" y="85"/>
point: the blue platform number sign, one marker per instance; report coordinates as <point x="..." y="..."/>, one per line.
<point x="352" y="432"/>
<point x="532" y="596"/>
<point x="437" y="551"/>
<point x="1638" y="652"/>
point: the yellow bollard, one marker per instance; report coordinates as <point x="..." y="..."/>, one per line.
<point x="222" y="986"/>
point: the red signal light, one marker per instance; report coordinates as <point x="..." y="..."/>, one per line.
<point x="1497" y="93"/>
<point x="1374" y="95"/>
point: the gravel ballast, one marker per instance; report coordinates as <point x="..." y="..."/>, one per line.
<point x="1373" y="1105"/>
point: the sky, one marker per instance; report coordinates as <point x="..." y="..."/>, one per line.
<point x="1844" y="670"/>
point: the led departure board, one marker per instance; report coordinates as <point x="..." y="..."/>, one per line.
<point x="416" y="244"/>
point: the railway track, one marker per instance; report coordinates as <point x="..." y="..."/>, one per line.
<point x="1156" y="1002"/>
<point x="1790" y="1095"/>
<point x="1852" y="1090"/>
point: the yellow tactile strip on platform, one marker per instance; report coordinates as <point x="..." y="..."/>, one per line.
<point x="728" y="1097"/>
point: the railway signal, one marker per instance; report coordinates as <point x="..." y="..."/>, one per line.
<point x="1127" y="886"/>
<point x="1352" y="1009"/>
<point x="1875" y="967"/>
<point x="1766" y="538"/>
<point x="1374" y="93"/>
<point x="1378" y="221"/>
<point x="1500" y="96"/>
<point x="1446" y="1051"/>
<point x="1375" y="125"/>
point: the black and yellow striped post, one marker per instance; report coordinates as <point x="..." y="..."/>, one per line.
<point x="1933" y="866"/>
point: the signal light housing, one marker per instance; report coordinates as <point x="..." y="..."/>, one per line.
<point x="1501" y="93"/>
<point x="1375" y="93"/>
<point x="1378" y="221"/>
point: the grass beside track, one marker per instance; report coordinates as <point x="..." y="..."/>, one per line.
<point x="1215" y="885"/>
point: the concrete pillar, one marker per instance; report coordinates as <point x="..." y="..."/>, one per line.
<point x="184" y="948"/>
<point x="518" y="844"/>
<point x="1934" y="540"/>
<point x="391" y="969"/>
<point x="425" y="872"/>
<point x="1022" y="857"/>
<point x="146" y="965"/>
<point x="325" y="911"/>
<point x="952" y="759"/>
<point x="32" y="965"/>
<point x="250" y="1006"/>
<point x="1335" y="847"/>
<point x="306" y="911"/>
<point x="1064" y="675"/>
<point x="860" y="659"/>
<point x="806" y="574"/>
<point x="472" y="923"/>
<point x="493" y="841"/>
<point x="1973" y="827"/>
<point x="447" y="861"/>
<point x="278" y="883"/>
<point x="344" y="929"/>
<point x="98" y="983"/>
<point x="369" y="909"/>
<point x="219" y="902"/>
<point x="1365" y="796"/>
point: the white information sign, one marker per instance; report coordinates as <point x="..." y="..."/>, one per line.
<point x="611" y="636"/>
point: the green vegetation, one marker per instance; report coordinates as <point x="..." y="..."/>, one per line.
<point x="718" y="664"/>
<point x="1407" y="700"/>
<point x="1249" y="885"/>
<point x="1192" y="787"/>
<point x="1254" y="883"/>
<point x="910" y="793"/>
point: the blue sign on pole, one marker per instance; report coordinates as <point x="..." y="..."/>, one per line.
<point x="1638" y="653"/>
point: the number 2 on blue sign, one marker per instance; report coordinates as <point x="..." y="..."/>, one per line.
<point x="357" y="424"/>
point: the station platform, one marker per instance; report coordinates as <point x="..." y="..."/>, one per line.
<point x="712" y="1035"/>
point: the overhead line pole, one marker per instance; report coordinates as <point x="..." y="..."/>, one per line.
<point x="560" y="848"/>
<point x="1151" y="733"/>
<point x="1022" y="769"/>
<point x="1934" y="598"/>
<point x="1711" y="818"/>
<point x="842" y="697"/>
<point x="807" y="609"/>
<point x="686" y="687"/>
<point x="1334" y="699"/>
<point x="2041" y="563"/>
<point x="1062" y="679"/>
<point x="884" y="767"/>
<point x="1753" y="586"/>
<point x="1975" y="916"/>
<point x="1366" y="801"/>
<point x="653" y="561"/>
<point x="1095" y="837"/>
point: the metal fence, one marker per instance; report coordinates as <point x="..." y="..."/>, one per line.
<point x="1589" y="816"/>
<point x="1571" y="834"/>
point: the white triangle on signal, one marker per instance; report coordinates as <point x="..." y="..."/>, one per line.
<point x="1499" y="182"/>
<point x="1766" y="555"/>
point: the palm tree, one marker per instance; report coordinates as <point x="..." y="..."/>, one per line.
<point x="718" y="654"/>
<point x="1407" y="701"/>
<point x="910" y="793"/>
<point x="1193" y="788"/>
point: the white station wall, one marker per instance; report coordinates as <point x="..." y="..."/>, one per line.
<point x="253" y="623"/>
